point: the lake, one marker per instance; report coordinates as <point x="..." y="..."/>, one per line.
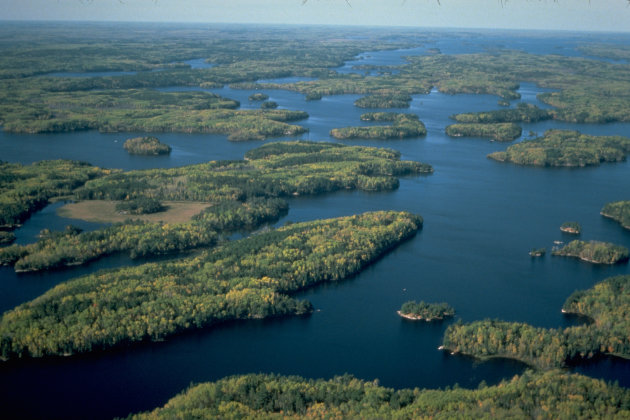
<point x="481" y="219"/>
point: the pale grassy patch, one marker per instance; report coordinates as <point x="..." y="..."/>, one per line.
<point x="104" y="211"/>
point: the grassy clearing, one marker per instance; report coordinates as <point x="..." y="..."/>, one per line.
<point x="104" y="211"/>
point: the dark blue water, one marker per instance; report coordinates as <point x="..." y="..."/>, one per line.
<point x="481" y="219"/>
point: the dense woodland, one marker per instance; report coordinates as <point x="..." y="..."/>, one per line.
<point x="571" y="227"/>
<point x="566" y="148"/>
<point x="402" y="126"/>
<point x="607" y="304"/>
<point x="245" y="279"/>
<point x="426" y="311"/>
<point x="542" y="395"/>
<point x="618" y="211"/>
<point x="522" y="113"/>
<point x="244" y="194"/>
<point x="594" y="252"/>
<point x="496" y="131"/>
<point x="25" y="189"/>
<point x="148" y="145"/>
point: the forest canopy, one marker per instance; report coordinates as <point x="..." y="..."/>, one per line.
<point x="245" y="279"/>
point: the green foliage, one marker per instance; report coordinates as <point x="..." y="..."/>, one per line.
<point x="403" y="126"/>
<point x="426" y="311"/>
<point x="594" y="252"/>
<point x="522" y="113"/>
<point x="496" y="131"/>
<point x="607" y="303"/>
<point x="25" y="189"/>
<point x="142" y="205"/>
<point x="618" y="211"/>
<point x="239" y="280"/>
<point x="146" y="146"/>
<point x="269" y="105"/>
<point x="538" y="252"/>
<point x="6" y="238"/>
<point x="545" y="395"/>
<point x="384" y="100"/>
<point x="571" y="227"/>
<point x="566" y="148"/>
<point x="258" y="96"/>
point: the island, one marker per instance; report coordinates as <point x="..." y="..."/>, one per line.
<point x="573" y="228"/>
<point x="607" y="304"/>
<point x="418" y="311"/>
<point x="523" y="112"/>
<point x="594" y="252"/>
<point x="293" y="397"/>
<point x="269" y="105"/>
<point x="251" y="278"/>
<point x="403" y="126"/>
<point x="386" y="100"/>
<point x="558" y="148"/>
<point x="258" y="96"/>
<point x="216" y="197"/>
<point x="147" y="146"/>
<point x="495" y="131"/>
<point x="537" y="252"/>
<point x="619" y="211"/>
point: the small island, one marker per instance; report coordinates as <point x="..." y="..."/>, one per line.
<point x="394" y="100"/>
<point x="418" y="311"/>
<point x="496" y="131"/>
<point x="403" y="126"/>
<point x="269" y="105"/>
<point x="146" y="146"/>
<point x="258" y="96"/>
<point x="594" y="252"/>
<point x="538" y="252"/>
<point x="6" y="238"/>
<point x="573" y="228"/>
<point x="619" y="211"/>
<point x="522" y="113"/>
<point x="141" y="205"/>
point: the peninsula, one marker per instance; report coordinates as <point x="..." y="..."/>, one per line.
<point x="619" y="211"/>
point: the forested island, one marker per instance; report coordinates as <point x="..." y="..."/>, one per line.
<point x="607" y="304"/>
<point x="496" y="131"/>
<point x="258" y="96"/>
<point x="245" y="279"/>
<point x="238" y="195"/>
<point x="553" y="394"/>
<point x="403" y="126"/>
<point x="384" y="100"/>
<point x="148" y="146"/>
<point x="537" y="252"/>
<point x="594" y="252"/>
<point x="573" y="228"/>
<point x="619" y="211"/>
<point x="426" y="311"/>
<point x="523" y="112"/>
<point x="566" y="148"/>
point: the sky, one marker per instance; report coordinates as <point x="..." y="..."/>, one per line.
<point x="588" y="15"/>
